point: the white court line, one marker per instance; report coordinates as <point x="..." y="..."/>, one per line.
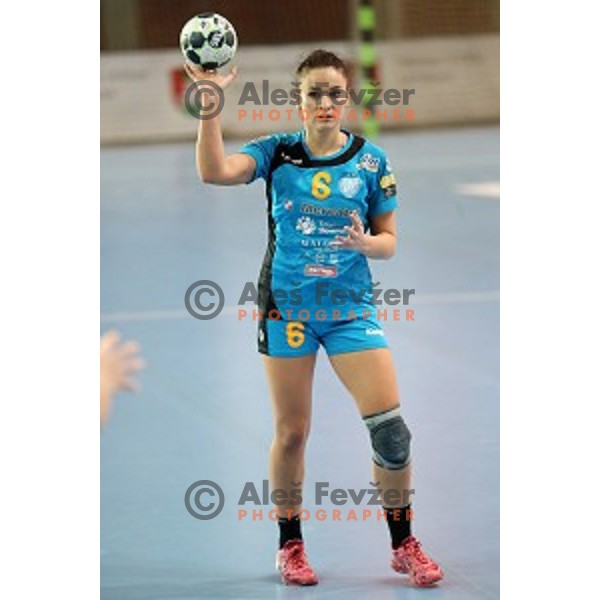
<point x="170" y="314"/>
<point x="485" y="189"/>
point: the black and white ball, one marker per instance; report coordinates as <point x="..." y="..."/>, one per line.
<point x="208" y="40"/>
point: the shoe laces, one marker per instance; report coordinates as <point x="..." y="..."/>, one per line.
<point x="297" y="558"/>
<point x="414" y="548"/>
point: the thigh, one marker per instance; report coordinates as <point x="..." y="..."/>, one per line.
<point x="290" y="384"/>
<point x="370" y="377"/>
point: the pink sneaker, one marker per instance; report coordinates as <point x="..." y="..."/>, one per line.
<point x="409" y="558"/>
<point x="291" y="561"/>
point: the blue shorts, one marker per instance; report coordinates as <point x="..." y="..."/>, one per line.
<point x="289" y="339"/>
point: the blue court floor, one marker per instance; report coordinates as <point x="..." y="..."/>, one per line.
<point x="204" y="411"/>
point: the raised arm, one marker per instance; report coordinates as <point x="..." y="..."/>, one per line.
<point x="213" y="165"/>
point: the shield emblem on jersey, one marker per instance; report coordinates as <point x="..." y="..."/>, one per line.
<point x="350" y="185"/>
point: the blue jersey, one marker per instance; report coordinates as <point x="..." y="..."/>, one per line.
<point x="304" y="276"/>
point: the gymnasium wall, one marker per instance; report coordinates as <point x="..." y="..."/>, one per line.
<point x="455" y="78"/>
<point x="155" y="24"/>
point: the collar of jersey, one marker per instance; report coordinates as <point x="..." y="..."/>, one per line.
<point x="329" y="156"/>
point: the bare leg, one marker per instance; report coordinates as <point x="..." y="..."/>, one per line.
<point x="371" y="379"/>
<point x="290" y="382"/>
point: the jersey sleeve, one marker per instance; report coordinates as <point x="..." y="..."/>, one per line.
<point x="261" y="150"/>
<point x="383" y="196"/>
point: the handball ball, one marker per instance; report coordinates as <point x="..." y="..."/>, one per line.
<point x="208" y="41"/>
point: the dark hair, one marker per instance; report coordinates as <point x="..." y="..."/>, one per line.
<point x="323" y="58"/>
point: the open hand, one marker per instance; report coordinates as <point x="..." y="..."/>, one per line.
<point x="120" y="362"/>
<point x="356" y="238"/>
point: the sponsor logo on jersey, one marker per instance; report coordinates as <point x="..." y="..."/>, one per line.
<point x="349" y="185"/>
<point x="387" y="180"/>
<point x="288" y="158"/>
<point x="315" y="243"/>
<point x="305" y="225"/>
<point x="373" y="332"/>
<point x="331" y="258"/>
<point x="388" y="185"/>
<point x="288" y="205"/>
<point x="320" y="271"/>
<point x="320" y="211"/>
<point x="326" y="230"/>
<point x="369" y="163"/>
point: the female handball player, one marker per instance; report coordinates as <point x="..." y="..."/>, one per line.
<point x="331" y="206"/>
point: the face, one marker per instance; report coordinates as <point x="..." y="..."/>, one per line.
<point x="324" y="98"/>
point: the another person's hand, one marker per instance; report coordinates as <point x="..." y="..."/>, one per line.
<point x="119" y="363"/>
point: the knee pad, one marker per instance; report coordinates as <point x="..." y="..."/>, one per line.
<point x="390" y="439"/>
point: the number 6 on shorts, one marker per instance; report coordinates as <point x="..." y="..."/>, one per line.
<point x="295" y="334"/>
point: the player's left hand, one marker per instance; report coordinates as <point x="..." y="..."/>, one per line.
<point x="356" y="238"/>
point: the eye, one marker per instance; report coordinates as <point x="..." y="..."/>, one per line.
<point x="313" y="94"/>
<point x="337" y="94"/>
